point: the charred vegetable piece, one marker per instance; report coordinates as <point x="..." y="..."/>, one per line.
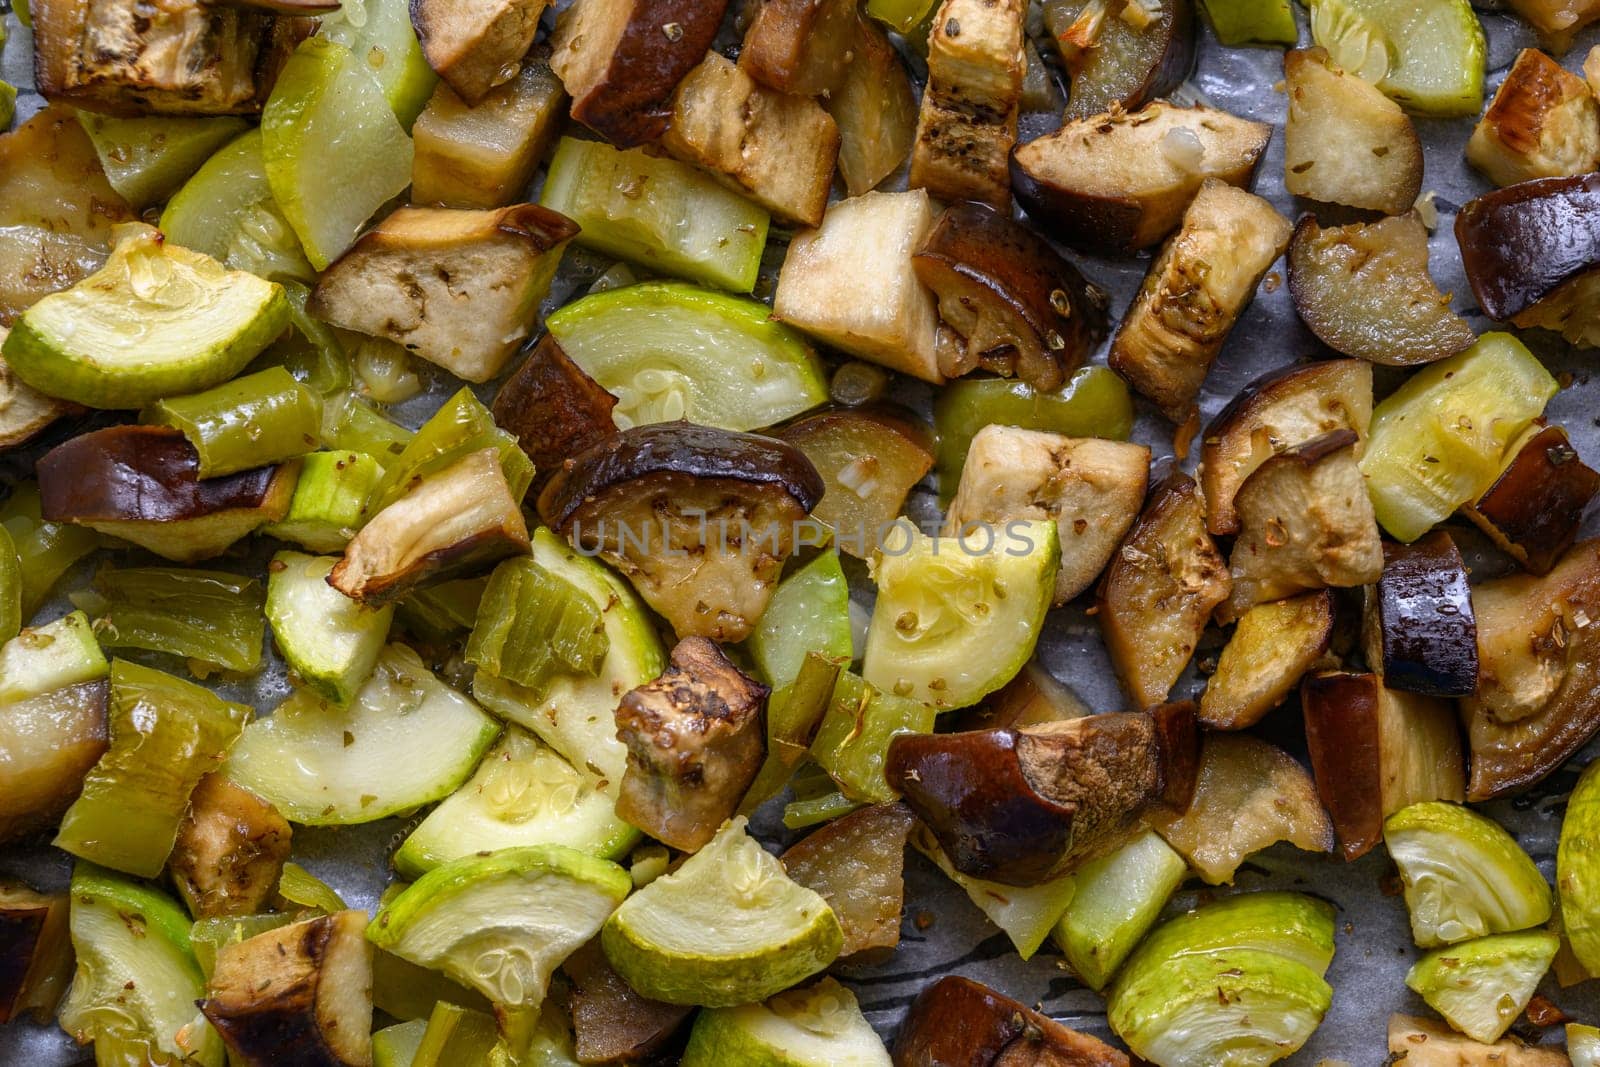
<point x="853" y="739"/>
<point x="533" y="625"/>
<point x="1364" y="290"/>
<point x="37" y="952"/>
<point x="1306" y="522"/>
<point x="875" y="109"/>
<point x="1534" y="508"/>
<point x="1091" y="488"/>
<point x="25" y="412"/>
<point x="1025" y="914"/>
<point x="1194" y="292"/>
<point x="330" y="641"/>
<point x="823" y="288"/>
<point x="1345" y="142"/>
<point x="461" y="427"/>
<point x="771" y="933"/>
<point x="620" y="63"/>
<point x="45" y="550"/>
<point x="1531" y="253"/>
<point x="612" y="1023"/>
<point x="1031" y="698"/>
<point x="554" y="408"/>
<point x="1120" y="54"/>
<point x="968" y="119"/>
<point x="957" y="617"/>
<point x="662" y="349"/>
<point x="1428" y="57"/>
<point x="957" y="1020"/>
<point x="645" y="482"/>
<point x="1375" y="750"/>
<point x="1117" y="183"/>
<point x="1577" y="874"/>
<point x="230" y="850"/>
<point x="207" y="617"/>
<point x="1024" y="806"/>
<point x="1464" y="875"/>
<point x="1162" y="584"/>
<point x="1118" y="899"/>
<point x="51" y="742"/>
<point x="1420" y="628"/>
<point x="1021" y="309"/>
<point x="804" y="47"/>
<point x="777" y="149"/>
<point x="1439" y="440"/>
<point x="1239" y="980"/>
<point x="1425" y="1043"/>
<point x="821" y="1026"/>
<point x="1480" y="987"/>
<point x="1557" y="21"/>
<point x="475" y="47"/>
<point x="855" y="864"/>
<point x="1276" y="412"/>
<point x="694" y="738"/>
<point x="301" y="993"/>
<point x="461" y="518"/>
<point x="1273" y="646"/>
<point x="1542" y="123"/>
<point x="1538" y="697"/>
<point x="1247" y="795"/>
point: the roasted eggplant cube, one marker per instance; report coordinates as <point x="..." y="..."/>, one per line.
<point x="1092" y="488"/>
<point x="610" y="1022"/>
<point x="475" y="46"/>
<point x="1021" y="807"/>
<point x="554" y="408"/>
<point x="25" y="412"/>
<point x="1119" y="182"/>
<point x="1365" y="291"/>
<point x="621" y="61"/>
<point x="1421" y="631"/>
<point x="1194" y="292"/>
<point x="1375" y="750"/>
<point x="968" y="120"/>
<point x="1534" y="508"/>
<point x="804" y="47"/>
<point x="35" y="952"/>
<point x="50" y="742"/>
<point x="230" y="850"/>
<point x="1277" y="411"/>
<point x="142" y="484"/>
<point x="1542" y="123"/>
<point x="1022" y="310"/>
<point x="299" y="994"/>
<point x="459" y="520"/>
<point x="1120" y="54"/>
<point x="958" y="1021"/>
<point x="1418" y="1042"/>
<point x="851" y="284"/>
<point x="1538" y="698"/>
<point x="1306" y="523"/>
<point x="857" y="864"/>
<point x="875" y="108"/>
<point x="700" y="520"/>
<point x="458" y="288"/>
<point x="1273" y="646"/>
<point x="1165" y="579"/>
<point x="695" y="739"/>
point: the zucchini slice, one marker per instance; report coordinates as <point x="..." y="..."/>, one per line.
<point x="502" y="923"/>
<point x="523" y="794"/>
<point x="1577" y="868"/>
<point x="146" y="159"/>
<point x="670" y="351"/>
<point x="1481" y="986"/>
<point x="729" y="927"/>
<point x="808" y="613"/>
<point x="406" y="740"/>
<point x="381" y="32"/>
<point x="1427" y="56"/>
<point x="957" y="617"/>
<point x="1117" y="901"/>
<point x="330" y="641"/>
<point x="137" y="981"/>
<point x="821" y="1026"/>
<point x="330" y="502"/>
<point x="155" y="321"/>
<point x="1464" y="875"/>
<point x="46" y="658"/>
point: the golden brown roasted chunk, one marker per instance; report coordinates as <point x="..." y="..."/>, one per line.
<point x="1272" y="647"/>
<point x="299" y="994"/>
<point x="230" y="850"/>
<point x="1542" y="123"/>
<point x="968" y="121"/>
<point x="1557" y="20"/>
<point x="475" y="45"/>
<point x="1092" y="488"/>
<point x="1306" y="522"/>
<point x="778" y="150"/>
<point x="483" y="155"/>
<point x="1194" y="293"/>
<point x="857" y="864"/>
<point x="24" y="411"/>
<point x="804" y="47"/>
<point x="875" y="109"/>
<point x="1415" y="1042"/>
<point x="1345" y="142"/>
<point x="695" y="741"/>
<point x="1160" y="589"/>
<point x="458" y="288"/>
<point x="610" y="1022"/>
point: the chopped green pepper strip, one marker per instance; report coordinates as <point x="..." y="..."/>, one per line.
<point x="852" y="744"/>
<point x="46" y="550"/>
<point x="209" y="616"/>
<point x="456" y="1035"/>
<point x="250" y="422"/>
<point x="799" y="814"/>
<point x="356" y="426"/>
<point x="299" y="886"/>
<point x="533" y="625"/>
<point x="793" y="715"/>
<point x="442" y="612"/>
<point x="462" y="426"/>
<point x="10" y="588"/>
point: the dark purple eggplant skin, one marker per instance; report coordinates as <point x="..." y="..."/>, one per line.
<point x="956" y="1022"/>
<point x="280" y="1021"/>
<point x="1521" y="243"/>
<point x="1165" y="75"/>
<point x="1534" y="509"/>
<point x="1429" y="636"/>
<point x="678" y="448"/>
<point x="1079" y="220"/>
<point x="554" y="409"/>
<point x="19" y="936"/>
<point x="1341" y="723"/>
<point x="139" y="473"/>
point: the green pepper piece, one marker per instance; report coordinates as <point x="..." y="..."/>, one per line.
<point x="900" y="15"/>
<point x="456" y="1035"/>
<point x="1252" y="21"/>
<point x="250" y="422"/>
<point x="8" y="104"/>
<point x="10" y="587"/>
<point x="852" y="744"/>
<point x="793" y="715"/>
<point x="210" y="616"/>
<point x="357" y="426"/>
<point x="461" y="426"/>
<point x="46" y="550"/>
<point x="396" y="1046"/>
<point x="321" y="360"/>
<point x="533" y="624"/>
<point x="799" y="814"/>
<point x="809" y="613"/>
<point x="443" y="612"/>
<point x="299" y="886"/>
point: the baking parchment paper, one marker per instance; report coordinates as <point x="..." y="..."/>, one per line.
<point x="1374" y="946"/>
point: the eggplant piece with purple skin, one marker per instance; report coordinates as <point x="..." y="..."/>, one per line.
<point x="1420" y="627"/>
<point x="699" y="519"/>
<point x="1111" y="60"/>
<point x="1531" y="252"/>
<point x="956" y="1022"/>
<point x="1024" y="806"/>
<point x="35" y="952"/>
<point x="1023" y="310"/>
<point x="142" y="484"/>
<point x="1533" y="510"/>
<point x="610" y="1022"/>
<point x="554" y="409"/>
